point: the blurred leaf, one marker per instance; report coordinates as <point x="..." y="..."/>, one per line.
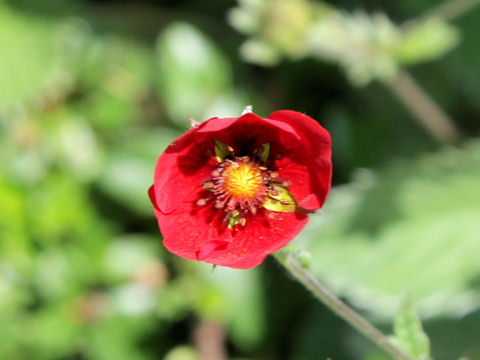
<point x="128" y="170"/>
<point x="126" y="256"/>
<point x="413" y="228"/>
<point x="118" y="337"/>
<point x="182" y="352"/>
<point x="58" y="210"/>
<point x="51" y="332"/>
<point x="15" y="245"/>
<point x="192" y="72"/>
<point x="427" y="41"/>
<point x="70" y="141"/>
<point x="408" y="332"/>
<point x="368" y="47"/>
<point x="38" y="57"/>
<point x="235" y="296"/>
<point x="118" y="75"/>
<point x="260" y="52"/>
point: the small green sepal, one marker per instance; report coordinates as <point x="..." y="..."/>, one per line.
<point x="233" y="220"/>
<point x="221" y="150"/>
<point x="264" y="152"/>
<point x="282" y="201"/>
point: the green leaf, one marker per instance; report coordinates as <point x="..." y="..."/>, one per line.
<point x="408" y="332"/>
<point x="221" y="150"/>
<point x="182" y="352"/>
<point x="129" y="166"/>
<point x="119" y="337"/>
<point x="282" y="202"/>
<point x="233" y="295"/>
<point x="412" y="228"/>
<point x="193" y="73"/>
<point x="427" y="41"/>
<point x="116" y="75"/>
<point x="15" y="246"/>
<point x="264" y="153"/>
<point x="50" y="333"/>
<point x="38" y="58"/>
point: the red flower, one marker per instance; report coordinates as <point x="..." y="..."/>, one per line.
<point x="232" y="191"/>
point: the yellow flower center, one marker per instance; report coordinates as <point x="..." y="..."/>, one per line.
<point x="242" y="180"/>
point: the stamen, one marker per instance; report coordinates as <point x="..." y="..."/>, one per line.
<point x="274" y="192"/>
<point x="201" y="202"/>
<point x="208" y="185"/>
<point x="220" y="204"/>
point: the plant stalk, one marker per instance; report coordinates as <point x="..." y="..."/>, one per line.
<point x="422" y="106"/>
<point x="339" y="307"/>
<point x="451" y="9"/>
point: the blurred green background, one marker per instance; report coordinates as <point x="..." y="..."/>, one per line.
<point x="91" y="92"/>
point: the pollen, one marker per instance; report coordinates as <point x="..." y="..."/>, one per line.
<point x="243" y="180"/>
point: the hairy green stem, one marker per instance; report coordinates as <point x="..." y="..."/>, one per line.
<point x="451" y="9"/>
<point x="305" y="277"/>
<point x="422" y="106"/>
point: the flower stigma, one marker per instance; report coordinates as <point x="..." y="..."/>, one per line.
<point x="241" y="185"/>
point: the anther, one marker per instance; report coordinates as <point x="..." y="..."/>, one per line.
<point x="208" y="185"/>
<point x="274" y="192"/>
<point x="219" y="204"/>
<point x="242" y="221"/>
<point x="231" y="204"/>
<point x="201" y="202"/>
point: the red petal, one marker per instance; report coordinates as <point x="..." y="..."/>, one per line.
<point x="308" y="166"/>
<point x="316" y="139"/>
<point x="252" y="130"/>
<point x="200" y="233"/>
<point x="208" y="247"/>
<point x="180" y="170"/>
<point x="310" y="183"/>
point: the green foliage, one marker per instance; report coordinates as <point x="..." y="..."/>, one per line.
<point x="430" y="39"/>
<point x="127" y="171"/>
<point x="408" y="332"/>
<point x="194" y="76"/>
<point x="403" y="231"/>
<point x="367" y="47"/>
<point x="38" y="58"/>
